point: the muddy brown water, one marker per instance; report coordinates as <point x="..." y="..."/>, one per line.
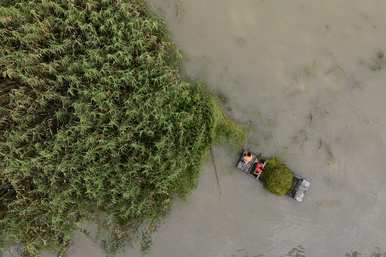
<point x="311" y="77"/>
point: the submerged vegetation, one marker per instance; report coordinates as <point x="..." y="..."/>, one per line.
<point x="94" y="118"/>
<point x="277" y="177"/>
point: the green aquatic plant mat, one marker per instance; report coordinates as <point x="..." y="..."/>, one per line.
<point x="277" y="177"/>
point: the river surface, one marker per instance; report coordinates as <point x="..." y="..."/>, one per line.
<point x="310" y="76"/>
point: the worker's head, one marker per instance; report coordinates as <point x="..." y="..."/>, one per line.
<point x="247" y="154"/>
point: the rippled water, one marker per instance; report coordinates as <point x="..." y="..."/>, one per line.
<point x="311" y="77"/>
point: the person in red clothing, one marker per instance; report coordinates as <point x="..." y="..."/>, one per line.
<point x="259" y="168"/>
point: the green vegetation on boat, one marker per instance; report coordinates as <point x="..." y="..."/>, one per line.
<point x="94" y="118"/>
<point x="277" y="177"/>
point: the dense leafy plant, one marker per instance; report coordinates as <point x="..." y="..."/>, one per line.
<point x="277" y="177"/>
<point x="94" y="118"/>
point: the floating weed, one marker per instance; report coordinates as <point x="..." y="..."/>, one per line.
<point x="378" y="62"/>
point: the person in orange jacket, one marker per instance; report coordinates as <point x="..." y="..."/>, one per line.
<point x="247" y="157"/>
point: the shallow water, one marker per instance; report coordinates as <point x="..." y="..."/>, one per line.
<point x="310" y="76"/>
